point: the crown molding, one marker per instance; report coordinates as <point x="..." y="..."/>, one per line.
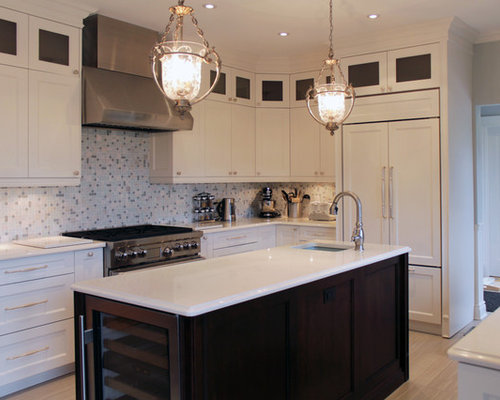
<point x="488" y="37"/>
<point x="56" y="10"/>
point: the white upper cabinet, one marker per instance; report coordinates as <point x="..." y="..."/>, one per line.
<point x="299" y="85"/>
<point x="272" y="142"/>
<point x="312" y="148"/>
<point x="179" y="156"/>
<point x="242" y="141"/>
<point x="234" y="85"/>
<point x="54" y="125"/>
<point x="13" y="38"/>
<point x="273" y="90"/>
<point x="217" y="139"/>
<point x="14" y="124"/>
<point x="367" y="73"/>
<point x="54" y="47"/>
<point x="393" y="71"/>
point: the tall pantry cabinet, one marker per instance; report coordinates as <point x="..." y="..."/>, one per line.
<point x="408" y="155"/>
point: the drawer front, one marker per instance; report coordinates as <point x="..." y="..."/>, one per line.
<point x="308" y="233"/>
<point x="88" y="264"/>
<point x="227" y="251"/>
<point x="32" y="351"/>
<point x="287" y="235"/>
<point x="235" y="238"/>
<point x="26" y="269"/>
<point x="33" y="303"/>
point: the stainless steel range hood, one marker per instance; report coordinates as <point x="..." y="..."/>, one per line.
<point x="118" y="90"/>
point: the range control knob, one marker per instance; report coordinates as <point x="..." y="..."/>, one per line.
<point x="132" y="253"/>
<point x="179" y="247"/>
<point x="121" y="255"/>
<point x="167" y="252"/>
<point x="187" y="245"/>
<point x="142" y="252"/>
<point x="194" y="245"/>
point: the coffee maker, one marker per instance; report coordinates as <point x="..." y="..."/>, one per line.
<point x="267" y="204"/>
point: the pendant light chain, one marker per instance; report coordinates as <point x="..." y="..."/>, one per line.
<point x="330" y="53"/>
<point x="199" y="31"/>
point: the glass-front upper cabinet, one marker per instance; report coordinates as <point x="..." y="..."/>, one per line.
<point x="13" y="38"/>
<point x="54" y="47"/>
<point x="234" y="85"/>
<point x="273" y="90"/>
<point x="367" y="73"/>
<point x="413" y="68"/>
<point x="299" y="85"/>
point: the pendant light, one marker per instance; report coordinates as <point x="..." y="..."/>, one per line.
<point x="335" y="98"/>
<point x="177" y="64"/>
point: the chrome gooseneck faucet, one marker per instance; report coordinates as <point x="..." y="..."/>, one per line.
<point x="358" y="235"/>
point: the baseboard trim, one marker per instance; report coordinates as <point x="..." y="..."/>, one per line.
<point x="425" y="327"/>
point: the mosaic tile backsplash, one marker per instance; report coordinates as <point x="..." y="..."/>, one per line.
<point x="115" y="191"/>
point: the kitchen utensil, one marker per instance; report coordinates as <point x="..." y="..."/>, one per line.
<point x="227" y="209"/>
<point x="294" y="209"/>
<point x="285" y="195"/>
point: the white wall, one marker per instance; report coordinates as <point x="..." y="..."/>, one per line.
<point x="486" y="73"/>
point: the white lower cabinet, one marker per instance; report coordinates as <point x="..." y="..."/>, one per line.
<point x="287" y="235"/>
<point x="236" y="241"/>
<point x="311" y="233"/>
<point x="424" y="292"/>
<point x="36" y="315"/>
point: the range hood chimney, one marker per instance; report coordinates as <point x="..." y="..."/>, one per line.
<point x="118" y="88"/>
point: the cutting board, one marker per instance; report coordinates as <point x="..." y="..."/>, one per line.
<point x="51" y="242"/>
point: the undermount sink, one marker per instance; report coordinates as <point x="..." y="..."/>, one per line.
<point x="322" y="247"/>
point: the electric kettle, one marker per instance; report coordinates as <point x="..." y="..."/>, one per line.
<point x="227" y="209"/>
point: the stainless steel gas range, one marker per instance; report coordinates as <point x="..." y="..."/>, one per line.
<point x="143" y="246"/>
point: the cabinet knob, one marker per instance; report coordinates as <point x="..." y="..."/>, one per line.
<point x="382" y="89"/>
<point x="389" y="88"/>
<point x="76" y="72"/>
<point x="76" y="173"/>
<point x="258" y="173"/>
<point x="179" y="172"/>
<point x="235" y="99"/>
<point x="322" y="173"/>
<point x="230" y="172"/>
<point x="90" y="254"/>
<point x="235" y="172"/>
<point x="315" y="172"/>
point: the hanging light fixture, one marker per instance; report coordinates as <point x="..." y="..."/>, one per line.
<point x="177" y="63"/>
<point x="335" y="98"/>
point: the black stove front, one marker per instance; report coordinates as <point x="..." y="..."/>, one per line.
<point x="143" y="246"/>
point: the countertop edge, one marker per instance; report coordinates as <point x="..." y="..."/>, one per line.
<point x="20" y="251"/>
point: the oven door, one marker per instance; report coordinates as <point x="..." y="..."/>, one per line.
<point x="122" y="270"/>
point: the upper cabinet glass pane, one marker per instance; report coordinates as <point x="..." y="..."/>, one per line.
<point x="301" y="88"/>
<point x="361" y="75"/>
<point x="220" y="88"/>
<point x="272" y="91"/>
<point x="53" y="47"/>
<point x="413" y="68"/>
<point x="242" y="88"/>
<point x="8" y="37"/>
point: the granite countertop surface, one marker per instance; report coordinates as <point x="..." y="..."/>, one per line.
<point x="480" y="346"/>
<point x="199" y="287"/>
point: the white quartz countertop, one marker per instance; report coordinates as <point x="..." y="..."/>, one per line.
<point x="199" y="287"/>
<point x="256" y="222"/>
<point x="10" y="250"/>
<point x="481" y="346"/>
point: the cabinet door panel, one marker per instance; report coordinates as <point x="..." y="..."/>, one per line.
<point x="272" y="142"/>
<point x="217" y="139"/>
<point x="367" y="73"/>
<point x="55" y="47"/>
<point x="243" y="140"/>
<point x="54" y="125"/>
<point x="244" y="87"/>
<point x="304" y="144"/>
<point x="413" y="68"/>
<point x="415" y="169"/>
<point x="326" y="154"/>
<point x="13" y="114"/>
<point x="13" y="38"/>
<point x="273" y="90"/>
<point x="424" y="294"/>
<point x="365" y="157"/>
<point x="88" y="264"/>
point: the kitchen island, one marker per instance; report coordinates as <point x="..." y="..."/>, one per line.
<point x="281" y="323"/>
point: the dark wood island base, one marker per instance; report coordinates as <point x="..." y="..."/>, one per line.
<point x="341" y="337"/>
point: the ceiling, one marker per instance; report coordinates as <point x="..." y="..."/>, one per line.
<point x="253" y="25"/>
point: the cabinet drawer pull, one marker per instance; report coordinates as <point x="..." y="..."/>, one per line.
<point x="15" y="271"/>
<point x="26" y="305"/>
<point x="28" y="353"/>
<point x="236" y="237"/>
<point x="90" y="254"/>
<point x="391" y="193"/>
<point x="383" y="193"/>
<point x="411" y="269"/>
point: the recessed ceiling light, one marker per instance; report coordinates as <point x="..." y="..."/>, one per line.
<point x="210" y="6"/>
<point x="283" y="34"/>
<point x="373" y="16"/>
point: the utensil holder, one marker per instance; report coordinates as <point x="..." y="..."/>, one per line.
<point x="294" y="210"/>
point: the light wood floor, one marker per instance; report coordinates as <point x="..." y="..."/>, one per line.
<point x="433" y="376"/>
